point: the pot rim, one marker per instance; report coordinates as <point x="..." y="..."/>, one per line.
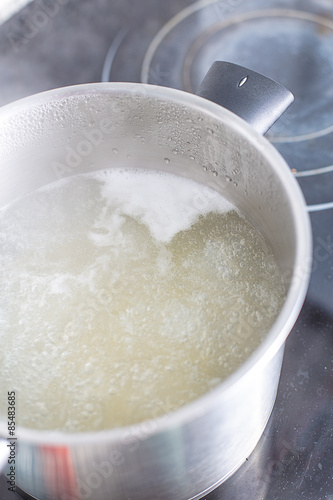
<point x="299" y="282"/>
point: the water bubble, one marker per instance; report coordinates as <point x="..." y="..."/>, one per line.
<point x="89" y="407"/>
<point x="175" y="151"/>
<point x="215" y="173"/>
<point x="228" y="178"/>
<point x="192" y="157"/>
<point x="167" y="160"/>
<point x="205" y="168"/>
<point x="115" y="150"/>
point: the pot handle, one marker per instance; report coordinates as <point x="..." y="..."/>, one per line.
<point x="257" y="99"/>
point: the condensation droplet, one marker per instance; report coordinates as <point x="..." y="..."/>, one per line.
<point x="227" y="178"/>
<point x="215" y="173"/>
<point x="205" y="168"/>
<point x="192" y="157"/>
<point x="175" y="151"/>
<point x="115" y="150"/>
<point x="167" y="160"/>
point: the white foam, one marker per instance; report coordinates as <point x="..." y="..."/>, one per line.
<point x="57" y="284"/>
<point x="165" y="203"/>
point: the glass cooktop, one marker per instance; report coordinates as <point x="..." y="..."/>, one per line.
<point x="53" y="43"/>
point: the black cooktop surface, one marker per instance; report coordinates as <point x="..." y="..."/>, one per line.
<point x="53" y="43"/>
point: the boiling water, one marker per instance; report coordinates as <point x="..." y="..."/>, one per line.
<point x="125" y="295"/>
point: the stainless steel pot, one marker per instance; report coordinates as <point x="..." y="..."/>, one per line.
<point x="79" y="129"/>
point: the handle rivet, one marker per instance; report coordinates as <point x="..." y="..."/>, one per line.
<point x="243" y="80"/>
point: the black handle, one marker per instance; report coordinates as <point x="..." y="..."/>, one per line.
<point x="254" y="97"/>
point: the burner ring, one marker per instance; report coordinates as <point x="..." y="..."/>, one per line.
<point x="320" y="207"/>
<point x="242" y="37"/>
<point x="321" y="22"/>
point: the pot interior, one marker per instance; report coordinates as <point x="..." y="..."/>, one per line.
<point x="86" y="128"/>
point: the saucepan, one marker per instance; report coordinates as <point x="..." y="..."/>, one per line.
<point x="64" y="132"/>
